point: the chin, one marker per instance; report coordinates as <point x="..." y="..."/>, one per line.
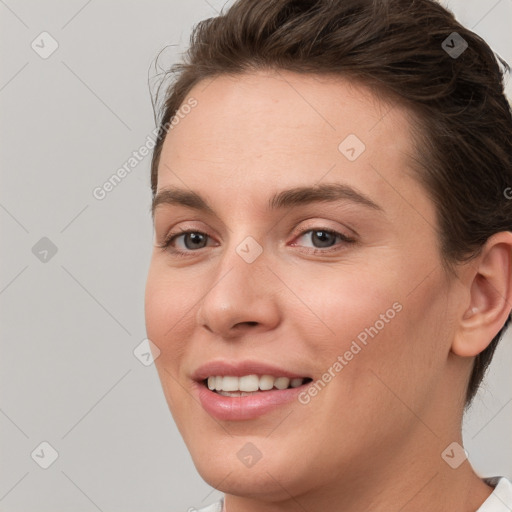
<point x="232" y="466"/>
<point x="256" y="482"/>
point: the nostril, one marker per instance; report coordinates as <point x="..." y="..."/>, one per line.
<point x="245" y="324"/>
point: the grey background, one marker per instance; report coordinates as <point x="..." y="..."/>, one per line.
<point x="70" y="324"/>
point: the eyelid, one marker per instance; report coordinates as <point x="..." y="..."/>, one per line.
<point x="186" y="226"/>
<point x="317" y="224"/>
<point x="324" y="230"/>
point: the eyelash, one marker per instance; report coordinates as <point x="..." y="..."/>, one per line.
<point x="167" y="247"/>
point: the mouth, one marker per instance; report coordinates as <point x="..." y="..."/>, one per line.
<point x="246" y="390"/>
<point x="248" y="397"/>
<point x="247" y="385"/>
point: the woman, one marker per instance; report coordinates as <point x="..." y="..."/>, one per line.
<point x="332" y="267"/>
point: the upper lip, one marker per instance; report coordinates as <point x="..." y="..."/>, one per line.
<point x="241" y="368"/>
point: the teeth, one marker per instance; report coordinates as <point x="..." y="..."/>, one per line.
<point x="230" y="383"/>
<point x="266" y="382"/>
<point x="248" y="383"/>
<point x="282" y="382"/>
<point x="295" y="383"/>
<point x="251" y="383"/>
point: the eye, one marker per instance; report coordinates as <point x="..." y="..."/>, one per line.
<point x="321" y="239"/>
<point x="185" y="241"/>
<point x="193" y="240"/>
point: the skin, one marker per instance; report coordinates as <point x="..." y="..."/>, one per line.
<point x="372" y="438"/>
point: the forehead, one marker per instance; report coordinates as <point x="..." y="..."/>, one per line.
<point x="279" y="129"/>
<point x="267" y="103"/>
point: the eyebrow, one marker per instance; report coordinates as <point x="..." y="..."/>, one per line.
<point x="290" y="198"/>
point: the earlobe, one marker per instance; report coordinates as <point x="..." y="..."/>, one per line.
<point x="490" y="293"/>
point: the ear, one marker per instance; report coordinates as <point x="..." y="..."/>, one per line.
<point x="489" y="282"/>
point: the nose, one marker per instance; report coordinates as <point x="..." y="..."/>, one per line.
<point x="241" y="297"/>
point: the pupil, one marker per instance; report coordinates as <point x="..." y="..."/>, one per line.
<point x="196" y="240"/>
<point x="324" y="238"/>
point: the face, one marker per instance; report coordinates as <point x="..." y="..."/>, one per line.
<point x="299" y="246"/>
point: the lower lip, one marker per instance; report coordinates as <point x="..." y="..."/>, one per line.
<point x="248" y="407"/>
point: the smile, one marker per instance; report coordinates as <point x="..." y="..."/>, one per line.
<point x="230" y="385"/>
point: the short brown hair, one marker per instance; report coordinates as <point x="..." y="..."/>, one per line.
<point x="398" y="47"/>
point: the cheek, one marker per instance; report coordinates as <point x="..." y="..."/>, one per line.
<point x="167" y="314"/>
<point x="346" y="303"/>
<point x="357" y="326"/>
<point x="166" y="318"/>
<point x="404" y="343"/>
<point x="379" y="327"/>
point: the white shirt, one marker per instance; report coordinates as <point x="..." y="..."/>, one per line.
<point x="501" y="498"/>
<point x="499" y="501"/>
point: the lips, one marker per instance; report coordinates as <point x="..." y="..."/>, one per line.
<point x="234" y="404"/>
